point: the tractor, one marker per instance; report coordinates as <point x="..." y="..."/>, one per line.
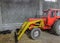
<point x="49" y="20"/>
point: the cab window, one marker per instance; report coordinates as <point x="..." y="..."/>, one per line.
<point x="58" y="13"/>
<point x="52" y="14"/>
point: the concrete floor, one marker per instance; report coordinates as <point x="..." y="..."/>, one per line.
<point x="44" y="38"/>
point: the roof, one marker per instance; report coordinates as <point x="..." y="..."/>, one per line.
<point x="52" y="9"/>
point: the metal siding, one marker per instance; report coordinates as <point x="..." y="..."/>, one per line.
<point x="14" y="12"/>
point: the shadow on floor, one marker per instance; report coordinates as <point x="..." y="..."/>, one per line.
<point x="5" y="32"/>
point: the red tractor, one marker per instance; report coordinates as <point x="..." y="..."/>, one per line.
<point x="51" y="18"/>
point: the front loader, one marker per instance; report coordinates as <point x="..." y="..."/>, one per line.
<point x="30" y="25"/>
<point x="50" y="18"/>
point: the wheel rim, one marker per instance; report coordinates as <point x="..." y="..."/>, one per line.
<point x="36" y="33"/>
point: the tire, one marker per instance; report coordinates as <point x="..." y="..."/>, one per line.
<point x="56" y="28"/>
<point x="35" y="33"/>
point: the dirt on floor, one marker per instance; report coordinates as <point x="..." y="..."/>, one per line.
<point x="44" y="38"/>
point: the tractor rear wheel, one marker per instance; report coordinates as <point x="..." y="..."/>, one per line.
<point x="35" y="33"/>
<point x="56" y="27"/>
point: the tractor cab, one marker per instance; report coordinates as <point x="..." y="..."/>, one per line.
<point x="51" y="12"/>
<point x="51" y="15"/>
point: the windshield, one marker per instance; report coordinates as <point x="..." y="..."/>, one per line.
<point x="45" y="14"/>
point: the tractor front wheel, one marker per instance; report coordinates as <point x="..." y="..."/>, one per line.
<point x="35" y="33"/>
<point x="56" y="27"/>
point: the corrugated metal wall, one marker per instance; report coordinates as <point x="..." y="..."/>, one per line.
<point x="15" y="12"/>
<point x="47" y="5"/>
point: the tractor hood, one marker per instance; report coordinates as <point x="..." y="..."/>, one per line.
<point x="33" y="19"/>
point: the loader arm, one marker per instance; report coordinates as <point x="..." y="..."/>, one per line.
<point x="26" y="26"/>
